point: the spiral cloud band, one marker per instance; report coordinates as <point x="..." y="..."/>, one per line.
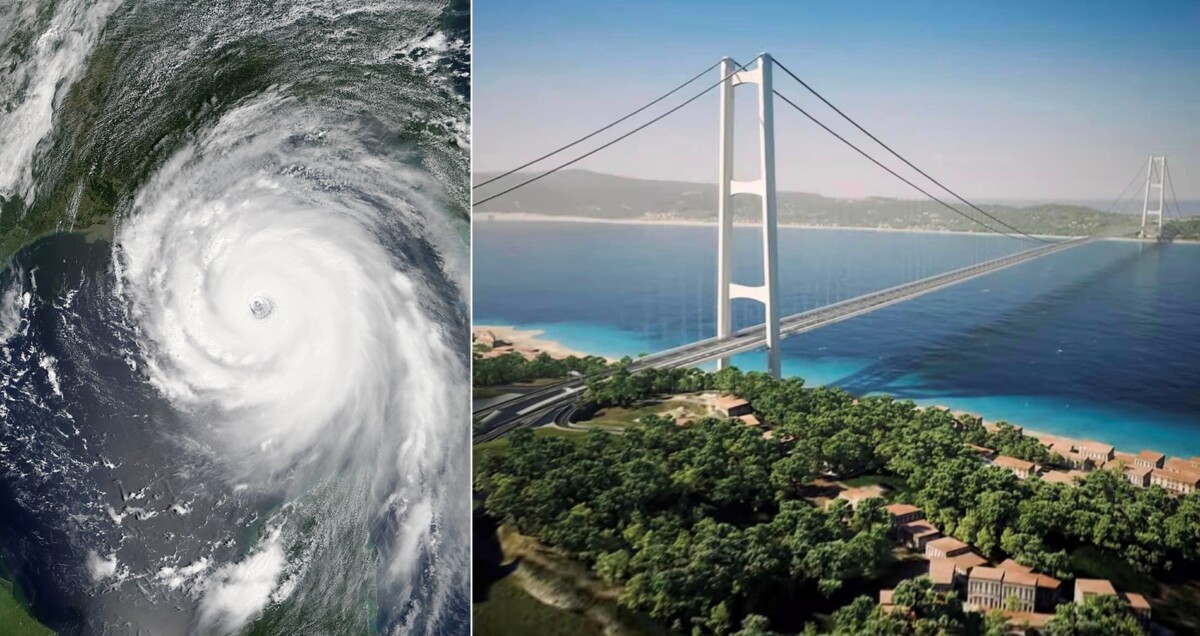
<point x="287" y="287"/>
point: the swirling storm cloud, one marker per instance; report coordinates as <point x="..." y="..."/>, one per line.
<point x="234" y="379"/>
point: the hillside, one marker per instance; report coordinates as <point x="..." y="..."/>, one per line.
<point x="594" y="195"/>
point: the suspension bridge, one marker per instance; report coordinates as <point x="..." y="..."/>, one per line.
<point x="555" y="402"/>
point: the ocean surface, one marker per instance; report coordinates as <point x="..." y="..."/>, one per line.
<point x="1099" y="342"/>
<point x="239" y="408"/>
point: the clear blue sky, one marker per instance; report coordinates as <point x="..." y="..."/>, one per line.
<point x="1016" y="99"/>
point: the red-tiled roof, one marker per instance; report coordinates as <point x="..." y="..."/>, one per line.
<point x="1137" y="601"/>
<point x="946" y="544"/>
<point x="967" y="560"/>
<point x="726" y="402"/>
<point x="1138" y="471"/>
<point x="1013" y="566"/>
<point x="1021" y="578"/>
<point x="941" y="571"/>
<point x="1092" y="446"/>
<point x="1183" y="477"/>
<point x="1048" y="582"/>
<point x="901" y="509"/>
<point x="1095" y="586"/>
<point x="987" y="574"/>
<point x="1151" y="456"/>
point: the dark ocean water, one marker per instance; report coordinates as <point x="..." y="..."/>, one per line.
<point x="1101" y="341"/>
<point x="311" y="155"/>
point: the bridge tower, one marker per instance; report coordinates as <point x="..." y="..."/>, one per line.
<point x="764" y="189"/>
<point x="1156" y="166"/>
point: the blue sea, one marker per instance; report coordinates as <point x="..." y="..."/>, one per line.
<point x="1101" y="341"/>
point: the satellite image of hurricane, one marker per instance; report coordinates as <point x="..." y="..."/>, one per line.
<point x="234" y="313"/>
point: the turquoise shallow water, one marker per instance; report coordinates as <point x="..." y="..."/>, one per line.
<point x="1099" y="342"/>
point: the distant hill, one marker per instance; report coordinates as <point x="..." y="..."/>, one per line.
<point x="594" y="195"/>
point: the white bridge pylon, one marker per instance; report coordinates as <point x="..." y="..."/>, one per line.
<point x="764" y="189"/>
<point x="1157" y="165"/>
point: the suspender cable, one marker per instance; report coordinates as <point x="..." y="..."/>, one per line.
<point x="614" y="141"/>
<point x="598" y="131"/>
<point x="894" y="173"/>
<point x="901" y="158"/>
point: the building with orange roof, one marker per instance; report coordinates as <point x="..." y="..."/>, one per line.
<point x="984" y="587"/>
<point x="732" y="406"/>
<point x="943" y="574"/>
<point x="1174" y="480"/>
<point x="903" y="513"/>
<point x="1140" y="607"/>
<point x="916" y="534"/>
<point x="1013" y="566"/>
<point x="1149" y="459"/>
<point x="1179" y="465"/>
<point x="1048" y="590"/>
<point x="1139" y="475"/>
<point x="1092" y="587"/>
<point x="945" y="547"/>
<point x="993" y="588"/>
<point x="1020" y="467"/>
<point x="1097" y="451"/>
<point x="967" y="561"/>
<point x="1021" y="587"/>
<point x="750" y="419"/>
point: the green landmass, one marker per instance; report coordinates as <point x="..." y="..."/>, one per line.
<point x="14" y="618"/>
<point x="511" y="368"/>
<point x="711" y="527"/>
<point x="582" y="193"/>
<point x="1182" y="229"/>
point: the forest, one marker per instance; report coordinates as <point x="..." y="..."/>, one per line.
<point x="1182" y="229"/>
<point x="514" y="367"/>
<point x="706" y="527"/>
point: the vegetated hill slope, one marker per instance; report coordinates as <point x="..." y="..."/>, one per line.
<point x="602" y="196"/>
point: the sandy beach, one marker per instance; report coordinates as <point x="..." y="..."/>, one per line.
<point x="523" y="341"/>
<point x="525" y="217"/>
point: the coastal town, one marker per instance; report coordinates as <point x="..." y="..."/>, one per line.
<point x="999" y="584"/>
<point x="1026" y="598"/>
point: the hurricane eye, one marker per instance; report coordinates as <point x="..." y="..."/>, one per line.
<point x="261" y="307"/>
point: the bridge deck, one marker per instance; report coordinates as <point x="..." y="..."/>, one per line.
<point x="538" y="404"/>
<point x="752" y="338"/>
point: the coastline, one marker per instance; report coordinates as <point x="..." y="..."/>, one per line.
<point x="102" y="230"/>
<point x="526" y="217"/>
<point x="534" y="339"/>
<point x="524" y="341"/>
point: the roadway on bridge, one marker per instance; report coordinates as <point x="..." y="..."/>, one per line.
<point x="551" y="403"/>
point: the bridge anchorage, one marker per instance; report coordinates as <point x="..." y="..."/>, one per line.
<point x="1157" y="166"/>
<point x="764" y="189"/>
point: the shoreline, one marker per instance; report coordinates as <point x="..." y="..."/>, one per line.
<point x="533" y="340"/>
<point x="523" y="341"/>
<point x="527" y="217"/>
<point x="102" y="230"/>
